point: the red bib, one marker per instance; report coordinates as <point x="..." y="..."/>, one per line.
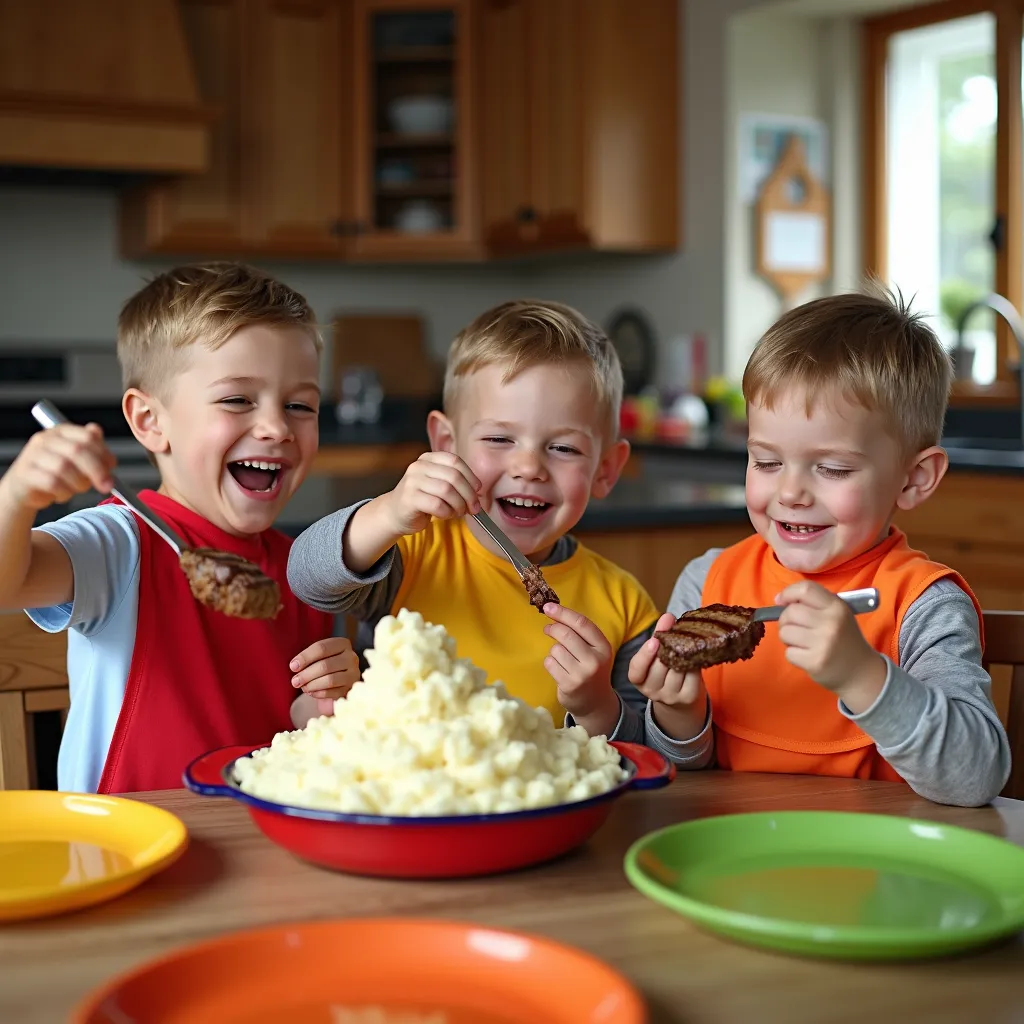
<point x="769" y="715"/>
<point x="199" y="679"/>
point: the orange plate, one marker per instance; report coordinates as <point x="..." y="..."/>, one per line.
<point x="370" y="971"/>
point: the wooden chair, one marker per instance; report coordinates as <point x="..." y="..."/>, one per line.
<point x="33" y="678"/>
<point x="1004" y="646"/>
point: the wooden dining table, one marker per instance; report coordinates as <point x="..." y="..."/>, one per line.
<point x="232" y="877"/>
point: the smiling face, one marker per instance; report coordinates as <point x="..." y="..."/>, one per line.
<point x="822" y="487"/>
<point x="236" y="432"/>
<point x="538" y="445"/>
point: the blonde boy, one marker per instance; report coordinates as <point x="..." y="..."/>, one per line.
<point x="529" y="434"/>
<point x="220" y="366"/>
<point x="846" y="397"/>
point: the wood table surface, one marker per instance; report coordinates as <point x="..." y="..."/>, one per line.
<point x="231" y="877"/>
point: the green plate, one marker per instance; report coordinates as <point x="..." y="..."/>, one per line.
<point x="829" y="884"/>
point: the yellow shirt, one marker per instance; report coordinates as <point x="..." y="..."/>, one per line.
<point x="450" y="578"/>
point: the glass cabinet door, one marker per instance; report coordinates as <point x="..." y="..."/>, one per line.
<point x="414" y="184"/>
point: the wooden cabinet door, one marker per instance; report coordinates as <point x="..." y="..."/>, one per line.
<point x="507" y="178"/>
<point x="208" y="213"/>
<point x="297" y="125"/>
<point x="436" y="171"/>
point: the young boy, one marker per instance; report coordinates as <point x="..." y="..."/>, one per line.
<point x="220" y="366"/>
<point x="528" y="434"/>
<point x="845" y="397"/>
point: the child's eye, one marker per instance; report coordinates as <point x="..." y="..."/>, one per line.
<point x="565" y="449"/>
<point x="831" y="473"/>
<point x="235" y="400"/>
<point x="766" y="465"/>
<point x="498" y="440"/>
<point x="300" y="407"/>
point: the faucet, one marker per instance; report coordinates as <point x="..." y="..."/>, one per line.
<point x="1003" y="307"/>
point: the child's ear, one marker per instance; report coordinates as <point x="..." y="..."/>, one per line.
<point x="927" y="471"/>
<point x="441" y="432"/>
<point x="142" y="412"/>
<point x="613" y="460"/>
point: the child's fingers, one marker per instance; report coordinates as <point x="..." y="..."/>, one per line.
<point x="325" y="648"/>
<point x="642" y="663"/>
<point x="450" y="460"/>
<point x="575" y="623"/>
<point x="814" y="595"/>
<point x="345" y="664"/>
<point x="327" y="688"/>
<point x="442" y="498"/>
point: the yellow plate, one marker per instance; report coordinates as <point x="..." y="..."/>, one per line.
<point x="63" y="851"/>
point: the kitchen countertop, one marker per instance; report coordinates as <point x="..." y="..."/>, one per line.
<point x="633" y="504"/>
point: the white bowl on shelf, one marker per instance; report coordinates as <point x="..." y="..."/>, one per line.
<point x="419" y="217"/>
<point x="421" y="115"/>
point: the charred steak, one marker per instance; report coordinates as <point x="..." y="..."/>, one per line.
<point x="710" y="636"/>
<point x="537" y="588"/>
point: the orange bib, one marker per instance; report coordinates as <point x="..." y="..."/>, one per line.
<point x="769" y="715"/>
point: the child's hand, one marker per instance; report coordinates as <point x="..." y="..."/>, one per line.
<point x="326" y="671"/>
<point x="658" y="682"/>
<point x="580" y="662"/>
<point x="680" y="699"/>
<point x="56" y="464"/>
<point x="822" y="637"/>
<point x="438" y="485"/>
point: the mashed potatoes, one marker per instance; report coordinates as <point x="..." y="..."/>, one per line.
<point x="423" y="734"/>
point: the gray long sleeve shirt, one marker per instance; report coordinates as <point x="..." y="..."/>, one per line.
<point x="318" y="575"/>
<point x="934" y="720"/>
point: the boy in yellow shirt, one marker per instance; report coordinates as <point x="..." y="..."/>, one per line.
<point x="529" y="433"/>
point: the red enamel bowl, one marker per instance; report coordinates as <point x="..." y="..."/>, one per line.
<point x="427" y="847"/>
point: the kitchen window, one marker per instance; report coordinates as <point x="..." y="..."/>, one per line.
<point x="943" y="179"/>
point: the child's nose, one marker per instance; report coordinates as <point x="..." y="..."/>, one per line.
<point x="528" y="464"/>
<point x="272" y="425"/>
<point x="793" y="490"/>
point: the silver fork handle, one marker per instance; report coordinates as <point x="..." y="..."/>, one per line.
<point x="48" y="415"/>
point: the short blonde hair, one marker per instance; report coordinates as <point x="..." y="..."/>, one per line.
<point x="866" y="346"/>
<point x="525" y="333"/>
<point x="200" y="304"/>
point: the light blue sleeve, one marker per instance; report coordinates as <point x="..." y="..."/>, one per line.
<point x="103" y="545"/>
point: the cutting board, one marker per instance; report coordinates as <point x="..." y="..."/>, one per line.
<point x="394" y="346"/>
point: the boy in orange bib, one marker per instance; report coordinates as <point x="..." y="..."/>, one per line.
<point x="845" y="399"/>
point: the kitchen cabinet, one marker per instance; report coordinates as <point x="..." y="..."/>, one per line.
<point x="580" y="125"/>
<point x="307" y="161"/>
<point x="277" y="179"/>
<point x="377" y="130"/>
<point x="413" y="156"/>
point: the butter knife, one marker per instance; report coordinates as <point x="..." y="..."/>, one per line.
<point x="860" y="601"/>
<point x="515" y="556"/>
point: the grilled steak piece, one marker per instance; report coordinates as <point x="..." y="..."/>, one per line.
<point x="538" y="589"/>
<point x="708" y="636"/>
<point x="230" y="584"/>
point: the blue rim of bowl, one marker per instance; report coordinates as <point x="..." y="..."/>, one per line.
<point x="235" y="792"/>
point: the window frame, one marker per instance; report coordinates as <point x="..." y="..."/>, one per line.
<point x="1008" y="186"/>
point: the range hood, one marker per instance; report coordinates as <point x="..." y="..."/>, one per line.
<point x="99" y="85"/>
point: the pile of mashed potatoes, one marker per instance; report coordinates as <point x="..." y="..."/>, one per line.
<point x="423" y="734"/>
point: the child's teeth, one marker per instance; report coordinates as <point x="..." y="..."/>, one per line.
<point x="260" y="465"/>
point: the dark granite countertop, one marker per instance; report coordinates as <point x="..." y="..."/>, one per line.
<point x="632" y="505"/>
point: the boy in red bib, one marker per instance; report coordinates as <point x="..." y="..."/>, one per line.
<point x="221" y="368"/>
<point x="845" y="398"/>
